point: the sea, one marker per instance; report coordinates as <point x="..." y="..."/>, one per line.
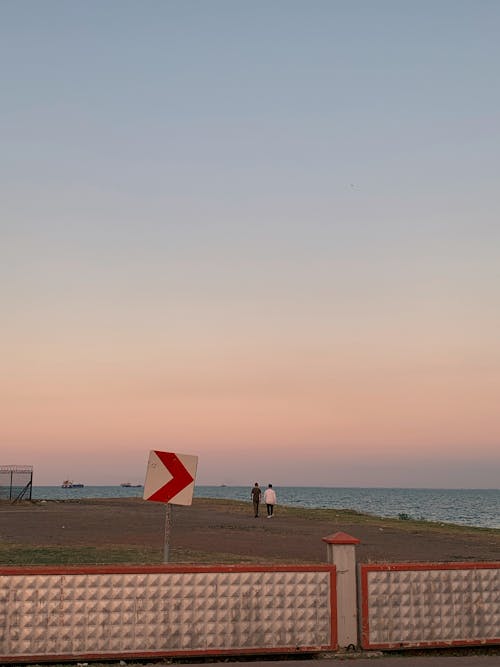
<point x="468" y="507"/>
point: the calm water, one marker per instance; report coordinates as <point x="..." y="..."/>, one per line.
<point x="471" y="507"/>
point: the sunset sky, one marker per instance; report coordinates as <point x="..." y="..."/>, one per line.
<point x="266" y="233"/>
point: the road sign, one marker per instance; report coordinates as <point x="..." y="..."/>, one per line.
<point x="170" y="478"/>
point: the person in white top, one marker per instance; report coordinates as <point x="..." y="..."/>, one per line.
<point x="270" y="500"/>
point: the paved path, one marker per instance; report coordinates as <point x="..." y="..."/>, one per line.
<point x="377" y="660"/>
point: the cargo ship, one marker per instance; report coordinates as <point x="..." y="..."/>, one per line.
<point x="68" y="484"/>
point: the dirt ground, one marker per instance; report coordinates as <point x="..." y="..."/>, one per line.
<point x="216" y="527"/>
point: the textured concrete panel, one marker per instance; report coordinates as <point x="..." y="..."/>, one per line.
<point x="438" y="605"/>
<point x="143" y="612"/>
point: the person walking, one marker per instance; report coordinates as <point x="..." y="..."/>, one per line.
<point x="270" y="500"/>
<point x="255" y="493"/>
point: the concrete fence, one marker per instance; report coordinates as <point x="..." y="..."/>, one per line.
<point x="413" y="605"/>
<point x="49" y="614"/>
<point x="429" y="605"/>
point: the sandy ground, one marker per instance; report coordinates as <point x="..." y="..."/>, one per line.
<point x="226" y="528"/>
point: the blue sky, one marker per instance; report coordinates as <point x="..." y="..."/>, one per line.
<point x="234" y="227"/>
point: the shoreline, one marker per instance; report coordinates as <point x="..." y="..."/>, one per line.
<point x="342" y="514"/>
<point x="469" y="507"/>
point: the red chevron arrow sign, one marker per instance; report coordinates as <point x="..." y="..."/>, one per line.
<point x="170" y="478"/>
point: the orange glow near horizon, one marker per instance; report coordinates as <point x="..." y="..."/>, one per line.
<point x="273" y="243"/>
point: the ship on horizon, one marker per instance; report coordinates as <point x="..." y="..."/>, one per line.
<point x="68" y="484"/>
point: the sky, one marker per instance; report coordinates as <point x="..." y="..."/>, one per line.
<point x="263" y="233"/>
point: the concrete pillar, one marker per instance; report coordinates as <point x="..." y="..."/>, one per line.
<point x="341" y="552"/>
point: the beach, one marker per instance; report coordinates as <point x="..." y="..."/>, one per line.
<point x="212" y="530"/>
<point x="467" y="507"/>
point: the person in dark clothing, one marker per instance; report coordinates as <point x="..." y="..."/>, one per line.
<point x="255" y="493"/>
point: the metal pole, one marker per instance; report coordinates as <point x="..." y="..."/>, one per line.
<point x="168" y="523"/>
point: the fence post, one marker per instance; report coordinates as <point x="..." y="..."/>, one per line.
<point x="341" y="552"/>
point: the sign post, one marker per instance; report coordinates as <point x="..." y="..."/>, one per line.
<point x="170" y="479"/>
<point x="168" y="524"/>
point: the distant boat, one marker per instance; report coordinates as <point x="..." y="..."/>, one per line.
<point x="130" y="485"/>
<point x="67" y="484"/>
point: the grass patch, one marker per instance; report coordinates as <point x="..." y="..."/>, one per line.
<point x="21" y="554"/>
<point x="18" y="555"/>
